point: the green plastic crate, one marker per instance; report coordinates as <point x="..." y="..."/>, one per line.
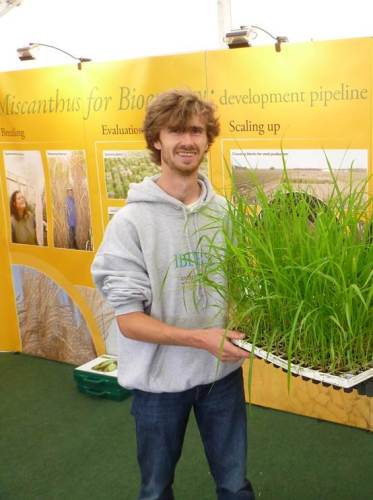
<point x="94" y="381"/>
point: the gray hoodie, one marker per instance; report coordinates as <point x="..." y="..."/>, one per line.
<point x="146" y="261"/>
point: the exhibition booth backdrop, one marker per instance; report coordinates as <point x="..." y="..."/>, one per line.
<point x="71" y="142"/>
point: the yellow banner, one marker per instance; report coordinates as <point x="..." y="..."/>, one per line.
<point x="71" y="142"/>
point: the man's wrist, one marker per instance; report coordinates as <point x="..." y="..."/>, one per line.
<point x="192" y="338"/>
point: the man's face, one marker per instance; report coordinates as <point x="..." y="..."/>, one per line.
<point x="182" y="151"/>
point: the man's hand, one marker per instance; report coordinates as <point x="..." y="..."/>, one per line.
<point x="218" y="342"/>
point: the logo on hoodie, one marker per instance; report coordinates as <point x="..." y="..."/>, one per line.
<point x="190" y="259"/>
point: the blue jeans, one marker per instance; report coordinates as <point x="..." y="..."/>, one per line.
<point x="161" y="421"/>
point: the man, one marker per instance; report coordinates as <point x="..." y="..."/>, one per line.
<point x="171" y="327"/>
<point x="71" y="217"/>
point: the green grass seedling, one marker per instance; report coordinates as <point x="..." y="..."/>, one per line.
<point x="296" y="273"/>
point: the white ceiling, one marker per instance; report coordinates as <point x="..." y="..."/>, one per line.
<point x="124" y="29"/>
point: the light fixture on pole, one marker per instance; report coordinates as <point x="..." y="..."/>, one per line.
<point x="28" y="53"/>
<point x="242" y="37"/>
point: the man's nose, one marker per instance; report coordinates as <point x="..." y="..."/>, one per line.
<point x="186" y="138"/>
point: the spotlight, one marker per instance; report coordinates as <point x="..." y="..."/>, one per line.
<point x="242" y="37"/>
<point x="29" y="53"/>
<point x="239" y="38"/>
<point x="26" y="53"/>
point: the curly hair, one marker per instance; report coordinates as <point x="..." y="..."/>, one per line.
<point x="174" y="109"/>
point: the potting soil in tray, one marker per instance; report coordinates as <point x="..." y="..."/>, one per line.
<point x="345" y="380"/>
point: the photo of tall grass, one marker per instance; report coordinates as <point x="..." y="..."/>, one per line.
<point x="126" y="166"/>
<point x="50" y="323"/>
<point x="68" y="171"/>
<point x="297" y="272"/>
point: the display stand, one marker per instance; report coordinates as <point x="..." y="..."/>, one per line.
<point x="353" y="407"/>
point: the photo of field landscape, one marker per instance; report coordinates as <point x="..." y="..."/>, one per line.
<point x="126" y="166"/>
<point x="251" y="169"/>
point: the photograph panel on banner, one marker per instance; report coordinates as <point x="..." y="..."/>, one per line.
<point x="26" y="194"/>
<point x="123" y="167"/>
<point x="320" y="173"/>
<point x="50" y="323"/>
<point x="70" y="199"/>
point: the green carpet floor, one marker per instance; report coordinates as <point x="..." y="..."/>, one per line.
<point x="59" y="444"/>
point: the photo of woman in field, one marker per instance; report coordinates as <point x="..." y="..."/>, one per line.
<point x="22" y="220"/>
<point x="26" y="190"/>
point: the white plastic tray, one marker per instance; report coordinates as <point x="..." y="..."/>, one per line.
<point x="346" y="380"/>
<point x="89" y="367"/>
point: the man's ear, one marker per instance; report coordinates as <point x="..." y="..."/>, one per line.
<point x="157" y="145"/>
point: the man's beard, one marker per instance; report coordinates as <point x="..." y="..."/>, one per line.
<point x="183" y="169"/>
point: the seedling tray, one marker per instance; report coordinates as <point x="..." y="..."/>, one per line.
<point x="346" y="381"/>
<point x="98" y="378"/>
